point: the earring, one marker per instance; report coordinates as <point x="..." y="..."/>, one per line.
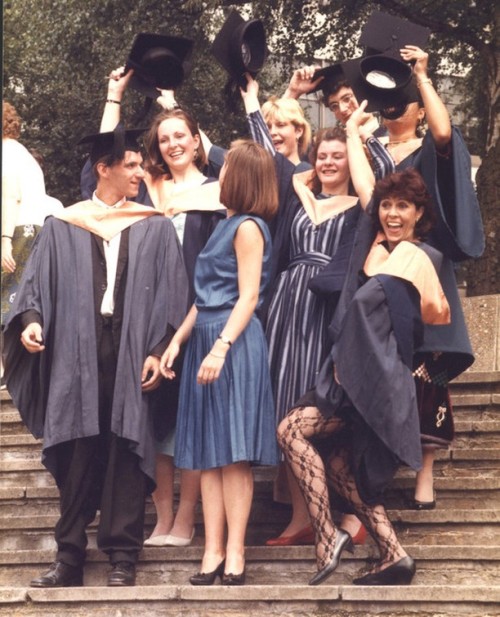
<point x="196" y="155"/>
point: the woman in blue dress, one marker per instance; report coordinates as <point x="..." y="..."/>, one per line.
<point x="226" y="414"/>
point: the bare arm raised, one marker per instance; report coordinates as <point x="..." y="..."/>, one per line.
<point x="118" y="82"/>
<point x="301" y="82"/>
<point x="436" y="113"/>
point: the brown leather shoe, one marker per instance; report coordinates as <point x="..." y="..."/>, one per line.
<point x="60" y="575"/>
<point x="122" y="575"/>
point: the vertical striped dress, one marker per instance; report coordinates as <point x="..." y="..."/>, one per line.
<point x="298" y="319"/>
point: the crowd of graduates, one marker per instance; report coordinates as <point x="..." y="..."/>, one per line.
<point x="289" y="301"/>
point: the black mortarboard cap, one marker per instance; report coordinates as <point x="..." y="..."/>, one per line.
<point x="382" y="80"/>
<point x="240" y="47"/>
<point x="114" y="143"/>
<point x="159" y="61"/>
<point x="331" y="76"/>
<point x="386" y="34"/>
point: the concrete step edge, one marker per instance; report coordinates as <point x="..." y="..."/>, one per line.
<point x="169" y="555"/>
<point x="438" y="594"/>
<point x="476" y="377"/>
<point x="439" y="516"/>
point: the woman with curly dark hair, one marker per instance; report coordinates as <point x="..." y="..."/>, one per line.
<point x="365" y="394"/>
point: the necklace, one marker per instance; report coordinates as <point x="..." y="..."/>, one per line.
<point x="401" y="141"/>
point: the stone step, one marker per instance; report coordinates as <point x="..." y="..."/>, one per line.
<point x="457" y="492"/>
<point x="455" y="488"/>
<point x="476" y="391"/>
<point x="160" y="566"/>
<point x="488" y="407"/>
<point x="448" y="527"/>
<point x="294" y="599"/>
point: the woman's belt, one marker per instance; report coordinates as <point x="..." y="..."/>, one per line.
<point x="310" y="259"/>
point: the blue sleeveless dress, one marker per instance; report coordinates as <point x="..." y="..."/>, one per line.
<point x="232" y="419"/>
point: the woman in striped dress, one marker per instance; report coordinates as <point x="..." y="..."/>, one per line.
<point x="323" y="213"/>
<point x="298" y="319"/>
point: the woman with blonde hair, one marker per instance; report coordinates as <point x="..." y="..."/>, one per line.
<point x="290" y="131"/>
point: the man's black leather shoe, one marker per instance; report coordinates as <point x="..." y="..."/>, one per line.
<point x="60" y="575"/>
<point x="122" y="574"/>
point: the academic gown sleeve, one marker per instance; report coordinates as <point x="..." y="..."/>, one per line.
<point x="459" y="232"/>
<point x="280" y="227"/>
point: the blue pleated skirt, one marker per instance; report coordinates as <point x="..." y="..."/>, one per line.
<point x="232" y="419"/>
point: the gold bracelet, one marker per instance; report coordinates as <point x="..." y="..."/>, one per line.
<point x="424" y="81"/>
<point x="216" y="356"/>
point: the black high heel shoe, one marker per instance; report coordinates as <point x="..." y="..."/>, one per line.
<point x="208" y="578"/>
<point x="343" y="541"/>
<point x="415" y="504"/>
<point x="234" y="579"/>
<point x="400" y="573"/>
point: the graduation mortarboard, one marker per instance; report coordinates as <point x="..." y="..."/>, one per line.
<point x="114" y="143"/>
<point x="158" y="61"/>
<point x="382" y="80"/>
<point x="240" y="47"/>
<point x="387" y="34"/>
<point x="381" y="76"/>
<point x="332" y="75"/>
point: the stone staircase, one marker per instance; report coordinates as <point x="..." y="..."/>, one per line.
<point x="456" y="546"/>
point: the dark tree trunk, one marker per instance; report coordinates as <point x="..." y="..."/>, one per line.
<point x="483" y="275"/>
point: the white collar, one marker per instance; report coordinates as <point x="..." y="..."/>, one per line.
<point x="99" y="202"/>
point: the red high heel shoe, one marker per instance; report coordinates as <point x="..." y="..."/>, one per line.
<point x="302" y="538"/>
<point x="360" y="537"/>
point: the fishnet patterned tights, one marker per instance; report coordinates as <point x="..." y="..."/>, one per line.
<point x="307" y="465"/>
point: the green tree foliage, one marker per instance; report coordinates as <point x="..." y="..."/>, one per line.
<point x="57" y="54"/>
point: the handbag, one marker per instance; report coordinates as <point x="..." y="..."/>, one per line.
<point x="435" y="412"/>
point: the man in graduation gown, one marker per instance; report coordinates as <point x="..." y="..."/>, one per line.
<point x="102" y="293"/>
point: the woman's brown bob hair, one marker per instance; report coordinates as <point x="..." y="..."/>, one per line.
<point x="11" y="122"/>
<point x="410" y="186"/>
<point x="155" y="165"/>
<point x="330" y="134"/>
<point x="249" y="183"/>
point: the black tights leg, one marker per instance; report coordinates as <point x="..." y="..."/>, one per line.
<point x="307" y="465"/>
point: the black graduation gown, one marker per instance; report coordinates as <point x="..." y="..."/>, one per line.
<point x="458" y="235"/>
<point x="199" y="224"/>
<point x="56" y="390"/>
<point x="373" y="357"/>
